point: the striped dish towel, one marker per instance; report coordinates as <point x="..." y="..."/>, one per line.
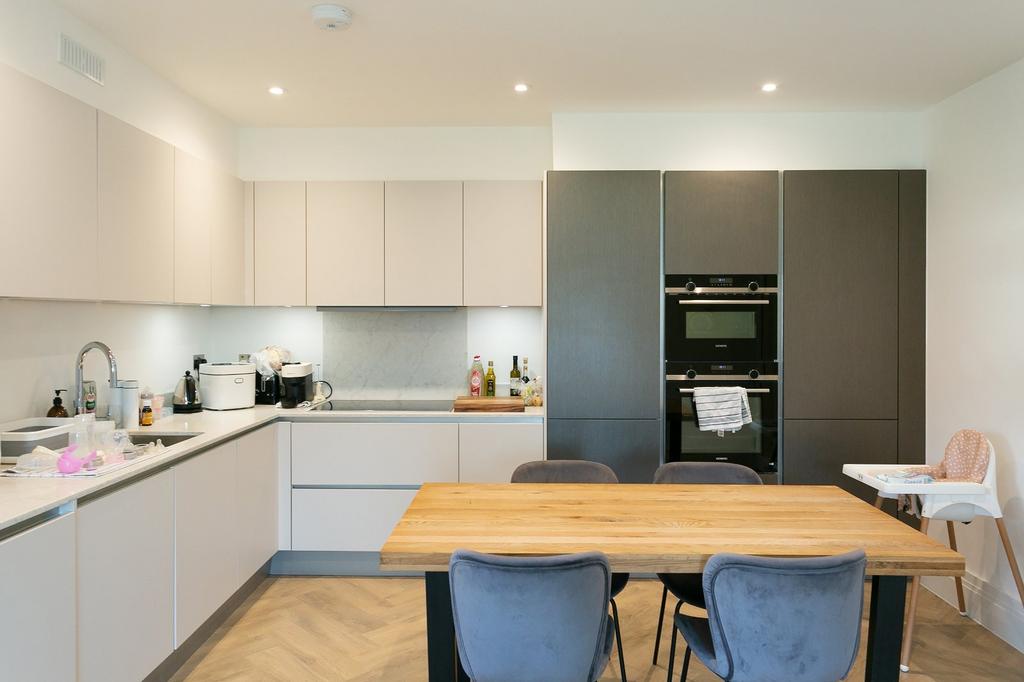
<point x="721" y="408"/>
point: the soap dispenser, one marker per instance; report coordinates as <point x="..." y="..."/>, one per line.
<point x="58" y="405"/>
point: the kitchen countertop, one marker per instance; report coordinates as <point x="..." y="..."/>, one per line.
<point x="22" y="499"/>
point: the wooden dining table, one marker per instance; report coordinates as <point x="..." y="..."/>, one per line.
<point x="647" y="528"/>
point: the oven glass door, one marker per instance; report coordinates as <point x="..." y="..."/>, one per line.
<point x="709" y="328"/>
<point x="754" y="445"/>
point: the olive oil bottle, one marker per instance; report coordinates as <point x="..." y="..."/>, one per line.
<point x="515" y="379"/>
<point x="490" y="380"/>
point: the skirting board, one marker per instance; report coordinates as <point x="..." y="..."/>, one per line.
<point x="354" y="564"/>
<point x="999" y="612"/>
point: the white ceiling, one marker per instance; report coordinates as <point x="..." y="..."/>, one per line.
<point x="454" y="62"/>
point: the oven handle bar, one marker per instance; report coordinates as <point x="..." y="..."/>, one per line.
<point x="727" y="301"/>
<point x="721" y="377"/>
<point x="749" y="390"/>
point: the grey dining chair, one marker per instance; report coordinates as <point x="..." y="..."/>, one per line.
<point x="531" y="619"/>
<point x="687" y="587"/>
<point x="579" y="471"/>
<point x="796" y="620"/>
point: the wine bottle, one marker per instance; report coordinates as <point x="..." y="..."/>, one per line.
<point x="490" y="380"/>
<point x="515" y="378"/>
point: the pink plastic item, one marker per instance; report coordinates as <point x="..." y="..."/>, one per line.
<point x="67" y="463"/>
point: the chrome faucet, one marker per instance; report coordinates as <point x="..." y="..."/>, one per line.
<point x="79" y="388"/>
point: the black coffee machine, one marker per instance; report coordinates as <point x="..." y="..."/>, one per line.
<point x="268" y="389"/>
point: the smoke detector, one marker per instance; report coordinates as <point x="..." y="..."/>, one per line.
<point x="332" y="17"/>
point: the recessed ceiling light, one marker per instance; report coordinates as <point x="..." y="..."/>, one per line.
<point x="769" y="87"/>
<point x="521" y="87"/>
<point x="276" y="90"/>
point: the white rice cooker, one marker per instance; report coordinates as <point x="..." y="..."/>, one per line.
<point x="228" y="385"/>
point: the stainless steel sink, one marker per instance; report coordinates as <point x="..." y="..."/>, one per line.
<point x="168" y="439"/>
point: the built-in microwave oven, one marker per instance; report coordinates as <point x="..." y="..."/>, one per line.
<point x="755" y="445"/>
<point x="721" y="318"/>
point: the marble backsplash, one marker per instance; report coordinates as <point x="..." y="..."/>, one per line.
<point x="395" y="355"/>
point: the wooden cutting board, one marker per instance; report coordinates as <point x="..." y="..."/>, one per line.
<point x="467" y="403"/>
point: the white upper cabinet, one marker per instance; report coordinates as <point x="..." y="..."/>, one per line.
<point x="503" y="251"/>
<point x="279" y="217"/>
<point x="193" y="222"/>
<point x="345" y="243"/>
<point x="136" y="209"/>
<point x="423" y="244"/>
<point x="228" y="285"/>
<point x="47" y="191"/>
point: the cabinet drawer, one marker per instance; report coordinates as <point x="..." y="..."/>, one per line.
<point x="374" y="454"/>
<point x="489" y="453"/>
<point x="346" y="520"/>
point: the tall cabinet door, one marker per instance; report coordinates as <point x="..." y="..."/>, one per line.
<point x="721" y="222"/>
<point x="604" y="295"/>
<point x="423" y="244"/>
<point x="136" y="214"/>
<point x="279" y="225"/>
<point x="228" y="241"/>
<point x="345" y="243"/>
<point x="193" y="221"/>
<point x="47" y="191"/>
<point x="841" y="294"/>
<point x="503" y="246"/>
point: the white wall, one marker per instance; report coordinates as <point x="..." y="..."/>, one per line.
<point x="40" y="339"/>
<point x="518" y="153"/>
<point x="29" y="38"/>
<point x="740" y="141"/>
<point x="976" y="317"/>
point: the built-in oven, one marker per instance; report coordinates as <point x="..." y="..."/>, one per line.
<point x="755" y="445"/>
<point x="727" y="318"/>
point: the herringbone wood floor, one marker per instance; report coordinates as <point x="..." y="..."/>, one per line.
<point x="372" y="629"/>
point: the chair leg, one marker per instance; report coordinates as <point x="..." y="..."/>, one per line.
<point x="908" y="630"/>
<point x="618" y="640"/>
<point x="878" y="501"/>
<point x="959" y="581"/>
<point x="686" y="664"/>
<point x="1008" y="548"/>
<point x="661" y="619"/>
<point x="672" y="649"/>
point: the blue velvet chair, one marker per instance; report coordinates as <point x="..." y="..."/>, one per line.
<point x="579" y="471"/>
<point x="792" y="620"/>
<point x="687" y="587"/>
<point x="531" y="619"/>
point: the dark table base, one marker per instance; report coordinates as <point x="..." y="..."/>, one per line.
<point x="885" y="630"/>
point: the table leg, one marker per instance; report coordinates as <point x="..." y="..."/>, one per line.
<point x="443" y="664"/>
<point x="885" y="628"/>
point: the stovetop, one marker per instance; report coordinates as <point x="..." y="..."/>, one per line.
<point x="386" y="406"/>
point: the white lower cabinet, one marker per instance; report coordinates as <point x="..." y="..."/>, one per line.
<point x="37" y="598"/>
<point x="205" y="542"/>
<point x="349" y="520"/>
<point x="256" y="500"/>
<point x="489" y="453"/>
<point x="126" y="581"/>
<point x="374" y="454"/>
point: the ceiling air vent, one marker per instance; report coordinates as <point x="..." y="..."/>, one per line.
<point x="78" y="57"/>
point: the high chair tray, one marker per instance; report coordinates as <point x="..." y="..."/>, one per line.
<point x="867" y="473"/>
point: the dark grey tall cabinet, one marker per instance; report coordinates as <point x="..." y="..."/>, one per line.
<point x="853" y="322"/>
<point x="604" y="290"/>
